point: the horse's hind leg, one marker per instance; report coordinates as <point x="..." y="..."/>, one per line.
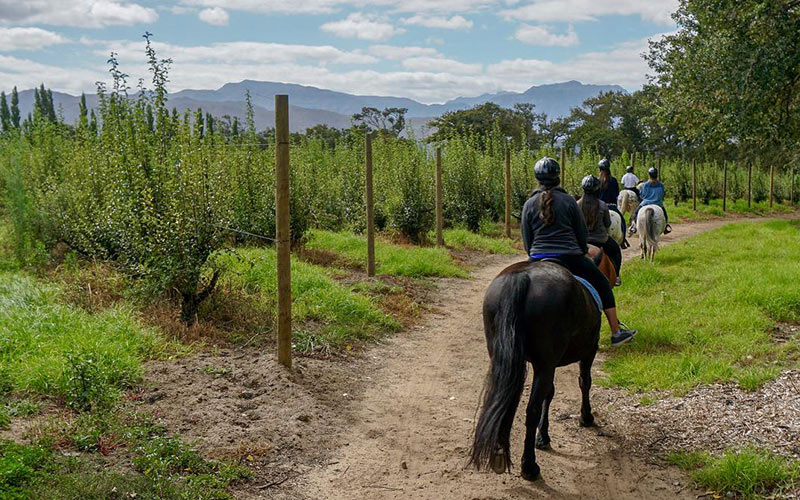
<point x="543" y="438"/>
<point x="542" y="382"/>
<point x="585" y="381"/>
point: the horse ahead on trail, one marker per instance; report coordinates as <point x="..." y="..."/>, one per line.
<point x="650" y="226"/>
<point x="628" y="202"/>
<point x="533" y="312"/>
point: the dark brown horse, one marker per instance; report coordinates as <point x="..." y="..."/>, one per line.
<point x="533" y="312"/>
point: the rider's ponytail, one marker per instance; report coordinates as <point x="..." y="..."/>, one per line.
<point x="548" y="214"/>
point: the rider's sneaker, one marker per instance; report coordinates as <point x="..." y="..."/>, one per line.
<point x="622" y="336"/>
<point x="668" y="229"/>
<point x="632" y="230"/>
<point x="618" y="282"/>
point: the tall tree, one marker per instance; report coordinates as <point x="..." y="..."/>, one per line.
<point x="730" y="74"/>
<point x="389" y="120"/>
<point x="83" y="120"/>
<point x="5" y="114"/>
<point x="15" y="108"/>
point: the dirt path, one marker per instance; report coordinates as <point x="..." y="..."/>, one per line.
<point x="411" y="430"/>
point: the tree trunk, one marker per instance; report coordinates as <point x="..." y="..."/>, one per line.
<point x="191" y="300"/>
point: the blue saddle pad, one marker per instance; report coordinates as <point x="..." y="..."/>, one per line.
<point x="592" y="291"/>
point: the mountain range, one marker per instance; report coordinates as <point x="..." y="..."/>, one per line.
<point x="311" y="105"/>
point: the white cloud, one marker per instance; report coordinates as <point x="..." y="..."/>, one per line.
<point x="434" y="40"/>
<point x="27" y="39"/>
<point x="330" y="6"/>
<point x="25" y="74"/>
<point x="362" y="26"/>
<point x="542" y="35"/>
<point x="441" y="65"/>
<point x="453" y="23"/>
<point x="241" y="52"/>
<point x="393" y="52"/>
<point x="215" y="16"/>
<point x="656" y="11"/>
<point x="81" y="13"/>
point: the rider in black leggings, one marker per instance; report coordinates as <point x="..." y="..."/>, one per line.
<point x="553" y="228"/>
<point x="598" y="220"/>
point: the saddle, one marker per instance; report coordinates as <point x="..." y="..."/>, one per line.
<point x="592" y="291"/>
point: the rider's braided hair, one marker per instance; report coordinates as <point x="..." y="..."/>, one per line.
<point x="548" y="214"/>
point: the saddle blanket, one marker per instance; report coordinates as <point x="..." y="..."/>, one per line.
<point x="592" y="291"/>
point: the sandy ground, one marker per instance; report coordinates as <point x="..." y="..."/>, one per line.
<point x="397" y="421"/>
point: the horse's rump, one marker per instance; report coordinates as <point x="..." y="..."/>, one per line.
<point x="615" y="229"/>
<point x="603" y="262"/>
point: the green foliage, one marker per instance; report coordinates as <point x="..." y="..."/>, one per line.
<point x="20" y="466"/>
<point x="710" y="321"/>
<point x="749" y="473"/>
<point x="467" y="240"/>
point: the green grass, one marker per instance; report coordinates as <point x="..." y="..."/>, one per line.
<point x="391" y="259"/>
<point x="52" y="349"/>
<point x="464" y="239"/>
<point x="748" y="474"/>
<point x="684" y="210"/>
<point x="328" y="313"/>
<point x="704" y="309"/>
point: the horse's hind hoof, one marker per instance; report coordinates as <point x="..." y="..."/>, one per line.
<point x="541" y="444"/>
<point x="498" y="462"/>
<point x="531" y="473"/>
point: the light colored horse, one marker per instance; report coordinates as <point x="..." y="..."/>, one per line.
<point x="615" y="229"/>
<point x="650" y="225"/>
<point x="628" y="202"/>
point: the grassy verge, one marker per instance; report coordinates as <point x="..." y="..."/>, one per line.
<point x="391" y="259"/>
<point x="684" y="210"/>
<point x="463" y="239"/>
<point x="748" y="474"/>
<point x="329" y="313"/>
<point x="704" y="310"/>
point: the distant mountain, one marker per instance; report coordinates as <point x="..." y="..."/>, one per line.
<point x="311" y="106"/>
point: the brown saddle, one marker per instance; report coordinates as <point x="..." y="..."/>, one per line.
<point x="603" y="263"/>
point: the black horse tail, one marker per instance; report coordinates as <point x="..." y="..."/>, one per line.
<point x="651" y="224"/>
<point x="506" y="378"/>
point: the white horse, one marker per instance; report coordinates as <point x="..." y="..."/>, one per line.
<point x="628" y="202"/>
<point x="615" y="229"/>
<point x="650" y="225"/>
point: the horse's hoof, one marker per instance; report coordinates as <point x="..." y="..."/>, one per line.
<point x="531" y="473"/>
<point x="498" y="462"/>
<point x="542" y="444"/>
<point x="586" y="422"/>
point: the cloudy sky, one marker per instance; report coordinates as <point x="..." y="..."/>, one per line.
<point x="429" y="50"/>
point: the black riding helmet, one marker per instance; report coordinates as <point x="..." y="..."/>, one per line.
<point x="547" y="171"/>
<point x="590" y="184"/>
<point x="604" y="164"/>
<point x="629" y="169"/>
<point x="653" y="173"/>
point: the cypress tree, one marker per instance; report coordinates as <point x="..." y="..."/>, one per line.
<point x="84" y="118"/>
<point x="93" y="123"/>
<point x="37" y="104"/>
<point x="198" y="123"/>
<point x="209" y="124"/>
<point x="5" y="114"/>
<point x="235" y="128"/>
<point x="15" y="108"/>
<point x="51" y="109"/>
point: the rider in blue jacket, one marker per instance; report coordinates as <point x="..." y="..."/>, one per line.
<point x="652" y="193"/>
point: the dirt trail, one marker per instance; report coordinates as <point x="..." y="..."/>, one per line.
<point x="411" y="429"/>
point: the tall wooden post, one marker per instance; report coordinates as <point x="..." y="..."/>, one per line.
<point x="633" y="159"/>
<point x="283" y="234"/>
<point x="724" y="185"/>
<point x="749" y="183"/>
<point x="508" y="192"/>
<point x="564" y="168"/>
<point x="439" y="216"/>
<point x="694" y="184"/>
<point x="771" y="184"/>
<point x="660" y="172"/>
<point x="791" y="189"/>
<point x="370" y="208"/>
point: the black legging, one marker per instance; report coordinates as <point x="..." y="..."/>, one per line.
<point x="614" y="252"/>
<point x="585" y="268"/>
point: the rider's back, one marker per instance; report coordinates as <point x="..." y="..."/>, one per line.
<point x="566" y="235"/>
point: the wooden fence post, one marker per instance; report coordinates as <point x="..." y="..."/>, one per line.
<point x="771" y="184"/>
<point x="564" y="168"/>
<point x="439" y="216"/>
<point x="694" y="184"/>
<point x="749" y="183"/>
<point x="370" y="208"/>
<point x="791" y="189"/>
<point x="283" y="230"/>
<point x="508" y="192"/>
<point x="724" y="185"/>
<point x="660" y="172"/>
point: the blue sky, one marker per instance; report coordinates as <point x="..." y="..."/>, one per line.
<point x="429" y="50"/>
